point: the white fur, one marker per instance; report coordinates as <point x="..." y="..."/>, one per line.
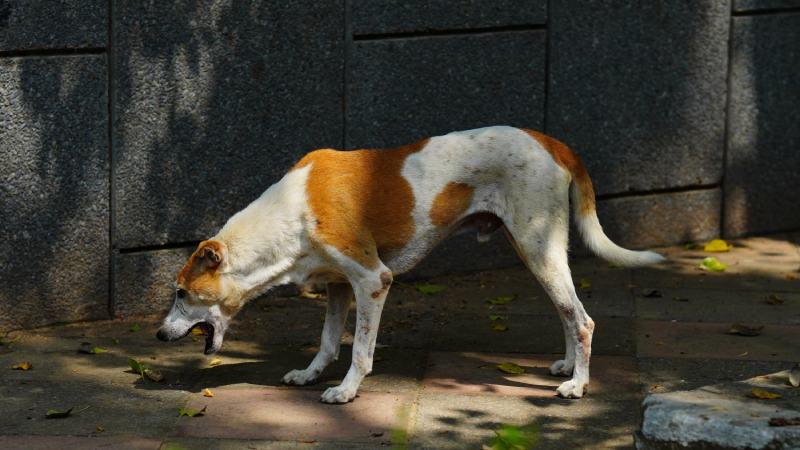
<point x="514" y="178"/>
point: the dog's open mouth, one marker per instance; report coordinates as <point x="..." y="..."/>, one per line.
<point x="208" y="330"/>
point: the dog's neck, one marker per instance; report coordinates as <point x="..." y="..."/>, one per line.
<point x="262" y="239"/>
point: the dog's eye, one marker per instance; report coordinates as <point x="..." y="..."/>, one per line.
<point x="181" y="293"/>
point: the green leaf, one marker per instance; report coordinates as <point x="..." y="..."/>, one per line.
<point x="98" y="350"/>
<point x="584" y="284"/>
<point x="189" y="412"/>
<point x="496" y="317"/>
<point x="135" y="327"/>
<point x="712" y="264"/>
<point x="430" y="289"/>
<point x="502" y="300"/>
<point x="509" y="367"/>
<point x="136" y="366"/>
<point x="692" y="246"/>
<point x="511" y="437"/>
<point x="89" y="349"/>
<point x="56" y="414"/>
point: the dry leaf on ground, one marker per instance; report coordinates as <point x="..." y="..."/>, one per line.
<point x="494" y="317"/>
<point x="717" y="245"/>
<point x="502" y="299"/>
<point x="207" y="393"/>
<point x="57" y="414"/>
<point x="215" y="362"/>
<point x="775" y="299"/>
<point x="584" y="284"/>
<point x="153" y="375"/>
<point x="741" y="329"/>
<point x="712" y="264"/>
<point x="189" y="412"/>
<point x="651" y="293"/>
<point x="764" y="395"/>
<point x="25" y="365"/>
<point x="511" y="368"/>
<point x="89" y="349"/>
<point x="499" y="327"/>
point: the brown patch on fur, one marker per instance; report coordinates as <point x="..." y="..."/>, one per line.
<point x="360" y="200"/>
<point x="450" y="203"/>
<point x="377" y="294"/>
<point x="585" y="338"/>
<point x="567" y="159"/>
<point x="200" y="274"/>
<point x="386" y="279"/>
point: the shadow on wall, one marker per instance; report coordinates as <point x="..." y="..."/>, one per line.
<point x="762" y="176"/>
<point x="54" y="165"/>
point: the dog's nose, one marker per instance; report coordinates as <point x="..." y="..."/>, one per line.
<point x="162" y="335"/>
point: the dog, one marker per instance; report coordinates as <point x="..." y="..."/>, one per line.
<point x="352" y="220"/>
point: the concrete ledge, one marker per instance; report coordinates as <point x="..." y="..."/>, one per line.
<point x="721" y="416"/>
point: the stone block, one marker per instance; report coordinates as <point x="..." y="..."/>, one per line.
<point x="213" y="103"/>
<point x="54" y="166"/>
<point x="144" y="282"/>
<point x="402" y="90"/>
<point x="762" y="160"/>
<point x="652" y="220"/>
<point x="638" y="90"/>
<point x="45" y="24"/>
<point x="398" y="16"/>
<point x="760" y="5"/>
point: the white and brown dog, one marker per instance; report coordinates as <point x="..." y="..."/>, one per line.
<point x="353" y="219"/>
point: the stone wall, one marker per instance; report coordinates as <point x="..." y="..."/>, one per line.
<point x="131" y="130"/>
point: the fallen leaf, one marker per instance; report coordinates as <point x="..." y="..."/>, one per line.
<point x="499" y="327"/>
<point x="25" y="365"/>
<point x="584" y="284"/>
<point x="377" y="434"/>
<point x="56" y="414"/>
<point x="717" y="245"/>
<point x="207" y="393"/>
<point x="784" y="421"/>
<point x="215" y="362"/>
<point x="89" y="349"/>
<point x="115" y="340"/>
<point x="712" y="264"/>
<point x="430" y="289"/>
<point x="651" y="293"/>
<point x="775" y="299"/>
<point x="692" y="246"/>
<point x="502" y="300"/>
<point x="509" y="367"/>
<point x="680" y="299"/>
<point x="496" y="317"/>
<point x="718" y="408"/>
<point x="135" y="327"/>
<point x="512" y="437"/>
<point x="764" y="395"/>
<point x="153" y="375"/>
<point x="794" y="375"/>
<point x="99" y="429"/>
<point x="790" y="276"/>
<point x="743" y="354"/>
<point x="189" y="412"/>
<point x="136" y="366"/>
<point x="197" y="331"/>
<point x="741" y="329"/>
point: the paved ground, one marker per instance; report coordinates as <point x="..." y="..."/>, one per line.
<point x="435" y="384"/>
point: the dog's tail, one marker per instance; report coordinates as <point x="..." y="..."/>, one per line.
<point x="583" y="206"/>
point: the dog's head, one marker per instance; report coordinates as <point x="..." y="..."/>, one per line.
<point x="205" y="297"/>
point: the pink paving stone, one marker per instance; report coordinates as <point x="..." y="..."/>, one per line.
<point x="76" y="442"/>
<point x="294" y="414"/>
<point x="477" y="373"/>
<point x="661" y="339"/>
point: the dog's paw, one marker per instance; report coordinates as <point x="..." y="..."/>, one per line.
<point x="562" y="368"/>
<point x="300" y="377"/>
<point x="572" y="389"/>
<point x="338" y="394"/>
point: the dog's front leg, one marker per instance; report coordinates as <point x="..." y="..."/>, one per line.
<point x="370" y="295"/>
<point x="339" y="298"/>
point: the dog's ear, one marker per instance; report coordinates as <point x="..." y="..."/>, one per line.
<point x="212" y="253"/>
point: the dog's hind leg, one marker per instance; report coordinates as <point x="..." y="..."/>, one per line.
<point x="545" y="254"/>
<point x="339" y="299"/>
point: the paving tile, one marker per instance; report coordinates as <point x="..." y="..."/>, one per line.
<point x="677" y="374"/>
<point x="81" y="442"/>
<point x="476" y="373"/>
<point x="527" y="334"/>
<point x="467" y="421"/>
<point x="293" y="414"/>
<point x="659" y="339"/>
<point x="712" y="305"/>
